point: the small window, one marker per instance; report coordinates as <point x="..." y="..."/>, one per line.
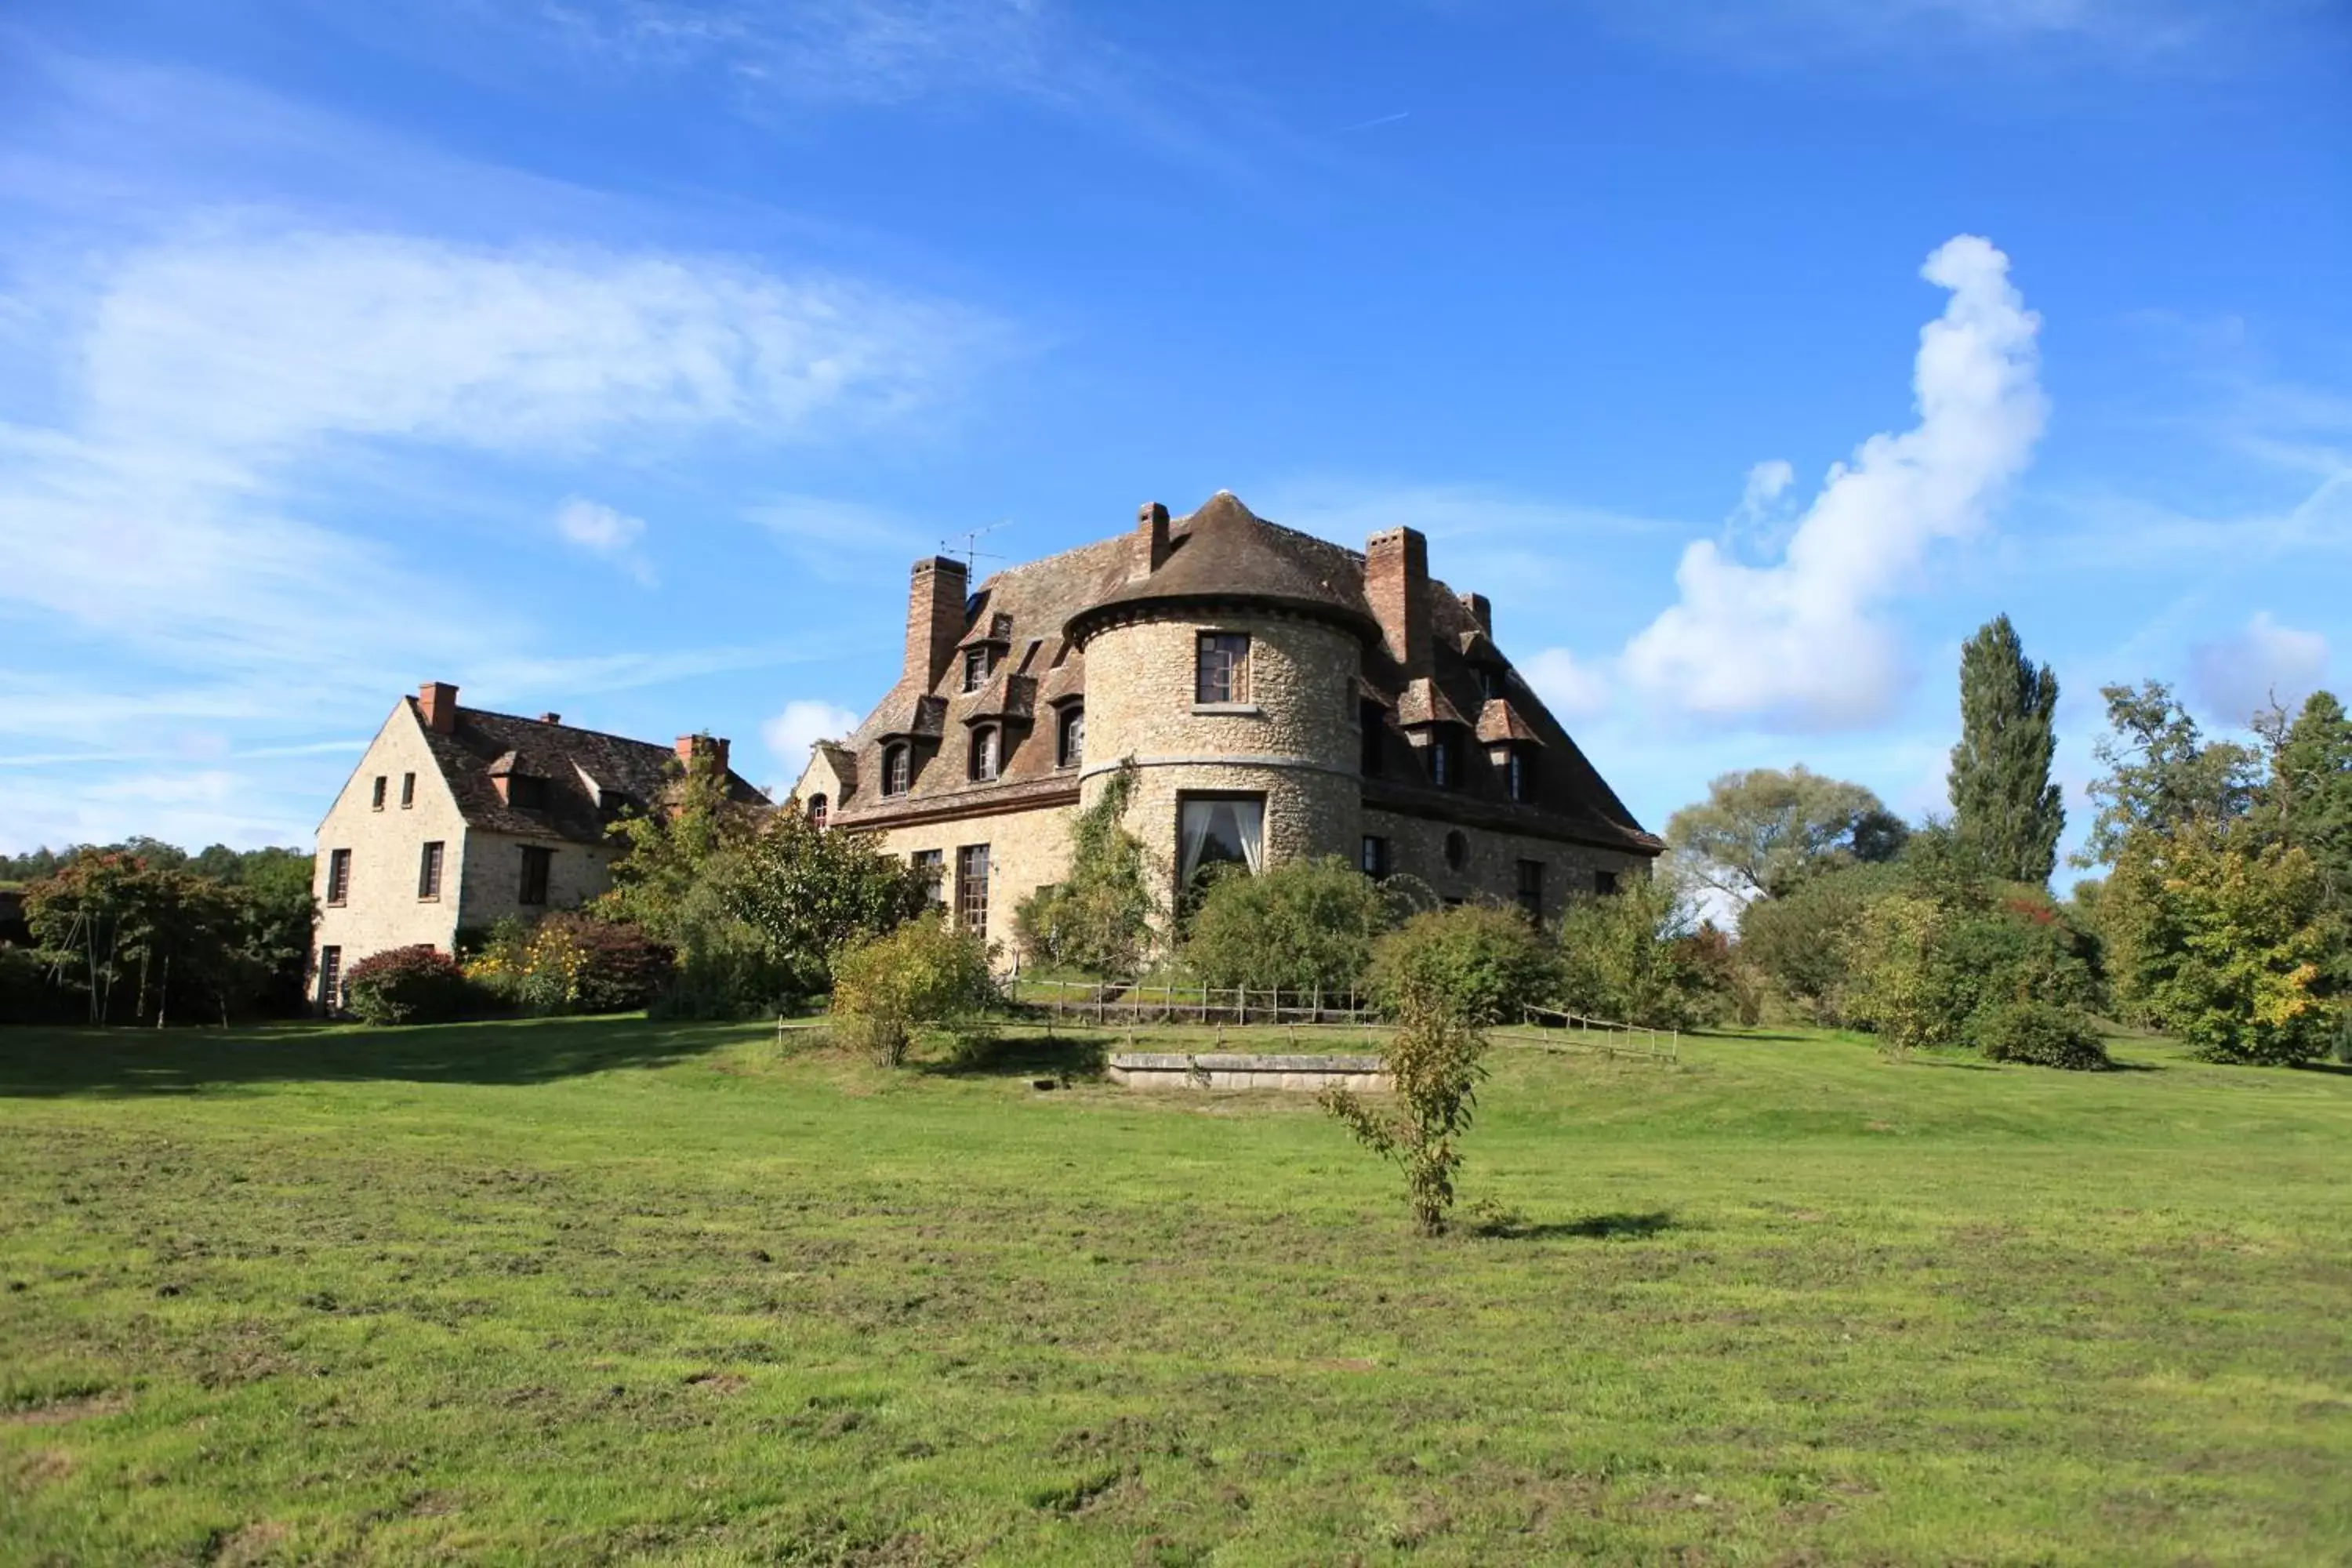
<point x="428" y="871"/>
<point x="1531" y="889"/>
<point x="379" y="792"/>
<point x="1442" y="770"/>
<point x="816" y="812"/>
<point x="1490" y="682"/>
<point x="985" y="747"/>
<point x="1071" y="749"/>
<point x="971" y="887"/>
<point x="527" y="792"/>
<point x="932" y="864"/>
<point x="1518" y="775"/>
<point x="407" y="790"/>
<point x="1375" y="862"/>
<point x="338" y="877"/>
<point x="1604" y="882"/>
<point x="898" y="768"/>
<point x="535" y="863"/>
<point x="1374" y="721"/>
<point x="330" y="979"/>
<point x="1457" y="849"/>
<point x="975" y="668"/>
<point x="1221" y="670"/>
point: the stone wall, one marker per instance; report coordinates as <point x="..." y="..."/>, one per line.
<point x="491" y="877"/>
<point x="1296" y="739"/>
<point x="383" y="909"/>
<point x="1491" y="868"/>
<point x="1026" y="850"/>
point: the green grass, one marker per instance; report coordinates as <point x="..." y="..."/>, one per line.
<point x="613" y="1291"/>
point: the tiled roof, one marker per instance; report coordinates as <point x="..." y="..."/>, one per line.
<point x="1498" y="723"/>
<point x="1225" y="552"/>
<point x="592" y="778"/>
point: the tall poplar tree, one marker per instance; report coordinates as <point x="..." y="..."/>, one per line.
<point x="2003" y="803"/>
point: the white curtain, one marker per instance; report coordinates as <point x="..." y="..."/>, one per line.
<point x="1249" y="818"/>
<point x="1193" y="828"/>
<point x="1220" y="831"/>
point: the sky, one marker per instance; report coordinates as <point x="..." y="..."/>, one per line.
<point x="617" y="357"/>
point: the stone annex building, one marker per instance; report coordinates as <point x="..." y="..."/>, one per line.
<point x="1278" y="695"/>
<point x="457" y="817"/>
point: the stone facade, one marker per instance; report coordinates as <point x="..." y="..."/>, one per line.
<point x="489" y="788"/>
<point x="1361" y="670"/>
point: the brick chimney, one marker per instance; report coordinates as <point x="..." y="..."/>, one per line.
<point x="1150" y="542"/>
<point x="438" y="701"/>
<point x="1480" y="611"/>
<point x="713" y="746"/>
<point x="1396" y="580"/>
<point x="934" y="617"/>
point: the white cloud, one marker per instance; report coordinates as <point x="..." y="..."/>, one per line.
<point x="1801" y="642"/>
<point x="1766" y="481"/>
<point x="601" y="531"/>
<point x="1570" y="688"/>
<point x="2231" y="678"/>
<point x="792" y="734"/>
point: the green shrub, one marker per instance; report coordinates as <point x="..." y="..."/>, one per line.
<point x="1640" y="956"/>
<point x="418" y="984"/>
<point x="1096" y="920"/>
<point x="1800" y="942"/>
<point x="1475" y="962"/>
<point x="927" y="974"/>
<point x="1310" y="923"/>
<point x="1434" y="1061"/>
<point x="2041" y="1033"/>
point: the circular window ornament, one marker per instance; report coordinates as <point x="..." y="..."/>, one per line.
<point x="1457" y="849"/>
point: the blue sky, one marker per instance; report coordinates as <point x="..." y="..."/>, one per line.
<point x="617" y="358"/>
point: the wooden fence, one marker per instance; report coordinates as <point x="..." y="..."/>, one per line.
<point x="1130" y="1002"/>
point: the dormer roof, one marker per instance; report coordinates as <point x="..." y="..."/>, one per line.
<point x="1499" y="723"/>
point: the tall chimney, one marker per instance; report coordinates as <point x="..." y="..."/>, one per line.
<point x="1480" y="611"/>
<point x="439" y="700"/>
<point x="934" y="618"/>
<point x="1150" y="542"/>
<point x="1396" y="580"/>
<point x="712" y="746"/>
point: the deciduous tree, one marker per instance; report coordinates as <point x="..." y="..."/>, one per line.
<point x="1761" y="832"/>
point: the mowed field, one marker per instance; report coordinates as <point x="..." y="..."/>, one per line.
<point x="622" y="1292"/>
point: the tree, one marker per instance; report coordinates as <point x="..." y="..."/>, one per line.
<point x="1434" y="1060"/>
<point x="1097" y="918"/>
<point x="1481" y="962"/>
<point x="1642" y="956"/>
<point x="809" y="892"/>
<point x="2162" y="773"/>
<point x="1306" y="925"/>
<point x="2307" y="800"/>
<point x="929" y="972"/>
<point x="1762" y="832"/>
<point x="2003" y="800"/>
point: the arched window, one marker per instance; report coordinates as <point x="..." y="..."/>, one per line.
<point x="816" y="812"/>
<point x="984" y="753"/>
<point x="1070" y="745"/>
<point x="898" y="768"/>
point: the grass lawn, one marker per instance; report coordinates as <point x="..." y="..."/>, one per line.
<point x="618" y="1291"/>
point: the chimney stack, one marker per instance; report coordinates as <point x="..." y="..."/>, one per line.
<point x="935" y="602"/>
<point x="1480" y="611"/>
<point x="438" y="701"/>
<point x="550" y="717"/>
<point x="712" y="746"/>
<point x="1150" y="542"/>
<point x="1396" y="580"/>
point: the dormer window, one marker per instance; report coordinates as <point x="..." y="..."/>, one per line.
<point x="898" y="768"/>
<point x="527" y="792"/>
<point x="1490" y="682"/>
<point x="816" y="812"/>
<point x="986" y="743"/>
<point x="976" y="662"/>
<point x="1070" y="737"/>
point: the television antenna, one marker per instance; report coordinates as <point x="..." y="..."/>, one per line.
<point x="971" y="552"/>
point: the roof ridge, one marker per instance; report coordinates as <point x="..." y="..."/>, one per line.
<point x="574" y="729"/>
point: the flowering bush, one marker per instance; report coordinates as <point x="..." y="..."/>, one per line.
<point x="418" y="984"/>
<point x="572" y="963"/>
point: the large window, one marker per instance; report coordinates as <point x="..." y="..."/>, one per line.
<point x="1604" y="882"/>
<point x="1220" y="668"/>
<point x="535" y="863"/>
<point x="1220" y="829"/>
<point x="932" y="864"/>
<point x="527" y="792"/>
<point x="976" y="662"/>
<point x="1375" y="862"/>
<point x="330" y="979"/>
<point x="339" y="877"/>
<point x="1070" y="747"/>
<point x="987" y="743"/>
<point x="898" y="768"/>
<point x="1375" y="725"/>
<point x="428" y="871"/>
<point x="1531" y="889"/>
<point x="971" y="887"/>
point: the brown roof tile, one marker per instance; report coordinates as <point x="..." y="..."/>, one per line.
<point x="592" y="778"/>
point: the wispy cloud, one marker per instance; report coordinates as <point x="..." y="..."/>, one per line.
<point x="2231" y="678"/>
<point x="793" y="733"/>
<point x="602" y="531"/>
<point x="2125" y="34"/>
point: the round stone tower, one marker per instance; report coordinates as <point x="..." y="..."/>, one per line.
<point x="1225" y="670"/>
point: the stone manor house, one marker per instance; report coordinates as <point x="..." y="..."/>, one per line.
<point x="1277" y="696"/>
